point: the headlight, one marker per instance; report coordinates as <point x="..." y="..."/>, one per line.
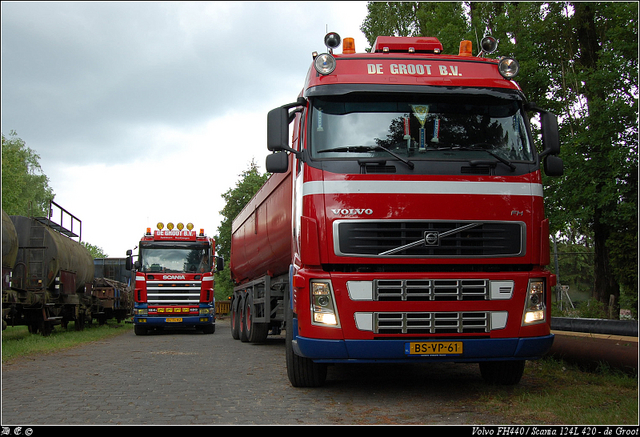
<point x="322" y="304"/>
<point x="141" y="312"/>
<point x="205" y="311"/>
<point x="534" y="309"/>
<point x="324" y="63"/>
<point x="508" y="67"/>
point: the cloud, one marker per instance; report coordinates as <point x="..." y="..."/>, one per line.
<point x="149" y="111"/>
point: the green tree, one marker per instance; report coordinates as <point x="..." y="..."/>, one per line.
<point x="95" y="251"/>
<point x="25" y="188"/>
<point x="597" y="84"/>
<point x="579" y="60"/>
<point x="236" y="198"/>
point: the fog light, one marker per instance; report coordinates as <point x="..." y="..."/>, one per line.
<point x="533" y="316"/>
<point x="508" y="67"/>
<point x="324" y="63"/>
<point x="325" y="319"/>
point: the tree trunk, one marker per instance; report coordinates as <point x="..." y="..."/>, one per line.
<point x="606" y="284"/>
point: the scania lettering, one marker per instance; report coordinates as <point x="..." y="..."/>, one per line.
<point x="404" y="218"/>
<point x="174" y="285"/>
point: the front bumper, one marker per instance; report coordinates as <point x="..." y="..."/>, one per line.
<point x="177" y="321"/>
<point x="474" y="350"/>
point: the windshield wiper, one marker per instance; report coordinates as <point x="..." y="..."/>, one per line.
<point x="477" y="148"/>
<point x="505" y="161"/>
<point x="361" y="149"/>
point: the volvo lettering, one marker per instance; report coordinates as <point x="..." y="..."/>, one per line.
<point x="174" y="285"/>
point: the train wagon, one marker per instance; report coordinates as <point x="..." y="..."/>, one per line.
<point x="51" y="277"/>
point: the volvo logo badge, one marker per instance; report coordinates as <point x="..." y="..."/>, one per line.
<point x="431" y="238"/>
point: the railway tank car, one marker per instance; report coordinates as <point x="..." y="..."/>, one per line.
<point x="50" y="278"/>
<point x="9" y="254"/>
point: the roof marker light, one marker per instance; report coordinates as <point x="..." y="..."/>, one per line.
<point x="348" y="46"/>
<point x="465" y="48"/>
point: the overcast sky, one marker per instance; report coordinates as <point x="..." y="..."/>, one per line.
<point x="147" y="112"/>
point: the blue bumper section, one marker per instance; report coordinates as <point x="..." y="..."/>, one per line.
<point x="340" y="351"/>
<point x="162" y="321"/>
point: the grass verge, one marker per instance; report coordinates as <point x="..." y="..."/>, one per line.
<point x="18" y="342"/>
<point x="553" y="392"/>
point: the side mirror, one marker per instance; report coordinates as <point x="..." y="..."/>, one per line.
<point x="278" y="129"/>
<point x="128" y="265"/>
<point x="553" y="166"/>
<point x="277" y="162"/>
<point x="550" y="135"/>
<point x="219" y="263"/>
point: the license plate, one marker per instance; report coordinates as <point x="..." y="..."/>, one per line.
<point x="433" y="348"/>
<point x="174" y="320"/>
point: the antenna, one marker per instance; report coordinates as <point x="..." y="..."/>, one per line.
<point x="477" y="40"/>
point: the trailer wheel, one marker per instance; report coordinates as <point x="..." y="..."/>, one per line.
<point x="242" y="310"/>
<point x="302" y="372"/>
<point x="255" y="332"/>
<point x="502" y="372"/>
<point x="235" y="317"/>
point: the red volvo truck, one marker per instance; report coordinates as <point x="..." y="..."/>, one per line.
<point x="404" y="220"/>
<point x="174" y="285"/>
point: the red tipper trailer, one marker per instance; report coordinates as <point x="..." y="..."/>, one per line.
<point x="404" y="220"/>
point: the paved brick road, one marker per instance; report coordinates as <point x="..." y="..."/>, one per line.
<point x="193" y="378"/>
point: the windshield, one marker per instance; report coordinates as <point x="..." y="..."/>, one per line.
<point x="174" y="260"/>
<point x="418" y="126"/>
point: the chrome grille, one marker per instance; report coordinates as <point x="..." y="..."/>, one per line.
<point x="432" y="323"/>
<point x="424" y="239"/>
<point x="173" y="292"/>
<point x="430" y="289"/>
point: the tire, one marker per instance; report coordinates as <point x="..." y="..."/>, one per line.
<point x="302" y="372"/>
<point x="208" y="329"/>
<point x="254" y="332"/>
<point x="235" y="317"/>
<point x="242" y="310"/>
<point x="139" y="330"/>
<point x="502" y="372"/>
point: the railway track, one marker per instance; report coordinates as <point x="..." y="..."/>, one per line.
<point x="590" y="342"/>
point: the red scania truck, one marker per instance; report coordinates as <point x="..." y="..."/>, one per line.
<point x="404" y="220"/>
<point x="174" y="285"/>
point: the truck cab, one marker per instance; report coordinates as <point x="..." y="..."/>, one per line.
<point x="174" y="282"/>
<point x="417" y="228"/>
